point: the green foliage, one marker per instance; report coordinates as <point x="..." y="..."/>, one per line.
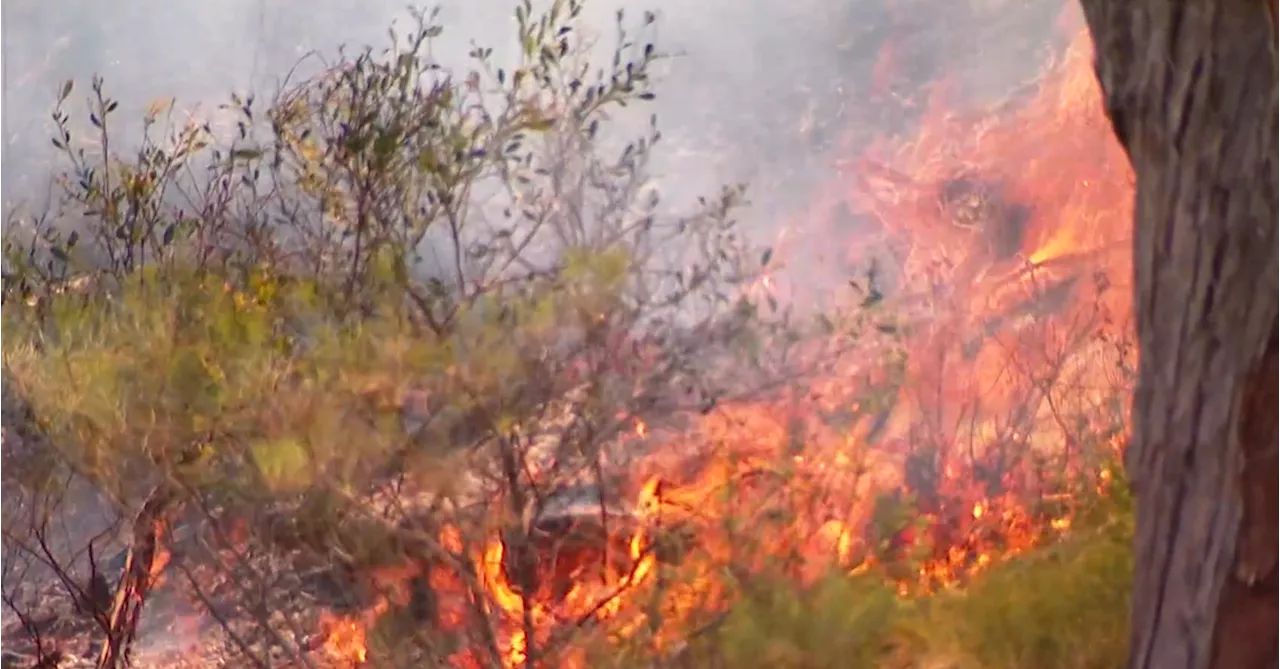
<point x="155" y="380"/>
<point x="1061" y="607"/>
<point x="157" y="371"/>
<point x="244" y="315"/>
<point x="838" y="622"/>
<point x="285" y="465"/>
<point x="250" y="330"/>
<point x="1065" y="607"/>
<point x="316" y="216"/>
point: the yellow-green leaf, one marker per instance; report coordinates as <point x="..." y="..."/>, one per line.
<point x="285" y="464"/>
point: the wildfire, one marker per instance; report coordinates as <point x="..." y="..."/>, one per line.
<point x="345" y="641"/>
<point x="1010" y="235"/>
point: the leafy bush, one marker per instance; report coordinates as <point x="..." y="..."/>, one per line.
<point x="1064" y="606"/>
<point x="376" y="324"/>
<point x="354" y="343"/>
<point x="837" y="622"/>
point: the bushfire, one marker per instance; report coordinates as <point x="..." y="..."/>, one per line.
<point x="1009" y="236"/>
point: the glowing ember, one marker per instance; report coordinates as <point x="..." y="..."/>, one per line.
<point x="344" y="641"/>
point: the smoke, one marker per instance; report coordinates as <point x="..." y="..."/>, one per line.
<point x="767" y="92"/>
<point x="759" y="91"/>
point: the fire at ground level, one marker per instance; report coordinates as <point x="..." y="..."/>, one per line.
<point x="996" y="417"/>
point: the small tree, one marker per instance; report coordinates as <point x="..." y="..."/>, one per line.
<point x="358" y="347"/>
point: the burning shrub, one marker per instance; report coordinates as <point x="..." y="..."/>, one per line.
<point x="413" y="371"/>
<point x="1061" y="608"/>
<point x="354" y="350"/>
<point x="1066" y="608"/>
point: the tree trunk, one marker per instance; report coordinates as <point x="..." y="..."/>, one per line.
<point x="1190" y="86"/>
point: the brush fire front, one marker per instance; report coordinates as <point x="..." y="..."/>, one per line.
<point x="973" y="425"/>
<point x="560" y="565"/>
<point x="589" y="565"/>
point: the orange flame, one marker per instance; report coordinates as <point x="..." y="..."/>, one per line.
<point x="345" y="641"/>
<point x="918" y="476"/>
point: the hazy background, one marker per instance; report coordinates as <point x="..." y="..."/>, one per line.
<point x="760" y="91"/>
<point x="772" y="92"/>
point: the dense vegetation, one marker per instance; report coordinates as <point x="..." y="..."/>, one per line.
<point x="398" y="304"/>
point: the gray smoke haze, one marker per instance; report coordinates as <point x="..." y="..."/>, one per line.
<point x="759" y="92"/>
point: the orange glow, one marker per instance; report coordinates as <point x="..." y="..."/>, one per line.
<point x="344" y="640"/>
<point x="160" y="556"/>
<point x="1010" y="233"/>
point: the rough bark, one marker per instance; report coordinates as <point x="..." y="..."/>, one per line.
<point x="1190" y="87"/>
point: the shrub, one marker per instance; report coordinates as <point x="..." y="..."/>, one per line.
<point x="373" y="328"/>
<point x="340" y="360"/>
